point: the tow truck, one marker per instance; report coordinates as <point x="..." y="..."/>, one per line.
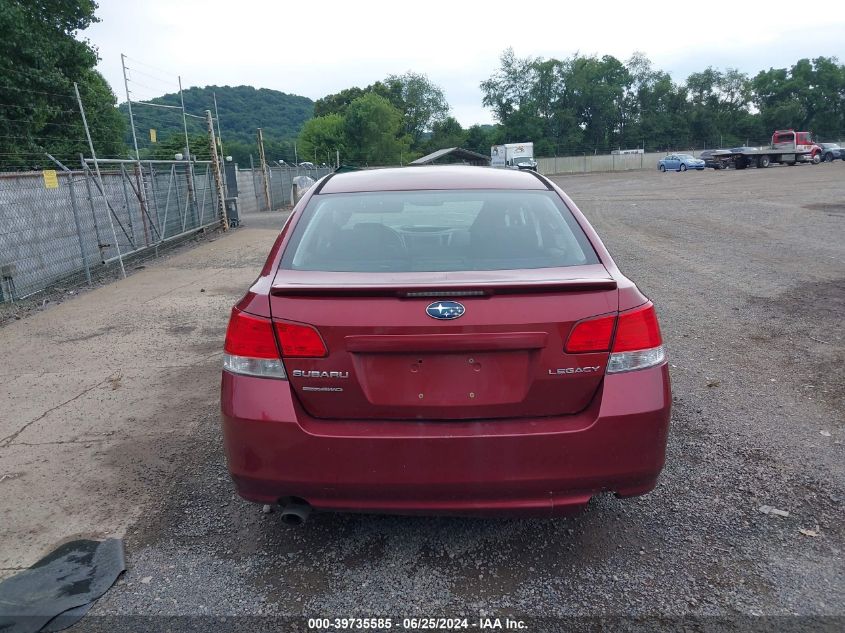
<point x="788" y="147"/>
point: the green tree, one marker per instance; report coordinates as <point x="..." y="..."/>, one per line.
<point x="338" y="103"/>
<point x="373" y="131"/>
<point x="480" y="138"/>
<point x="656" y="109"/>
<point x="808" y="96"/>
<point x="240" y="151"/>
<point x="719" y="108"/>
<point x="421" y="103"/>
<point x="323" y="136"/>
<point x="168" y="147"/>
<point x="590" y="103"/>
<point x="280" y="150"/>
<point x="559" y="104"/>
<point x="509" y="88"/>
<point x="104" y="119"/>
<point x="40" y="58"/>
<point x="446" y="133"/>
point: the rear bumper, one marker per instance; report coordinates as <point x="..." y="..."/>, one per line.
<point x="532" y="466"/>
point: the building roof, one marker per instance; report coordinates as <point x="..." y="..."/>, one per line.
<point x="433" y="177"/>
<point x="455" y="152"/>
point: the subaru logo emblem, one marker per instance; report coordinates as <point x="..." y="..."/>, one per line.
<point x="445" y="310"/>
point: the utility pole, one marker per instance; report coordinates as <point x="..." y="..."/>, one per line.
<point x="215" y="167"/>
<point x="139" y="174"/>
<point x="189" y="157"/>
<point x="129" y="105"/>
<point x="99" y="176"/>
<point x="263" y="161"/>
<point x="219" y="135"/>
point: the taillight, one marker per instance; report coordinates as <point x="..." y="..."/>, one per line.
<point x="638" y="343"/>
<point x="591" y="335"/>
<point x="638" y="329"/>
<point x="300" y="341"/>
<point x="250" y="348"/>
<point x="249" y="335"/>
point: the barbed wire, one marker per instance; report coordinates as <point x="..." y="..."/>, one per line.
<point x="44" y="138"/>
<point x="41" y="92"/>
<point x="28" y="106"/>
<point x="156" y="77"/>
<point x="49" y="123"/>
<point x="150" y="66"/>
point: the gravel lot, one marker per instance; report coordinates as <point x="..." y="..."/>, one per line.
<point x="747" y="270"/>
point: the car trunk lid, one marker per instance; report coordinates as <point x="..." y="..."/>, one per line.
<point x="387" y="358"/>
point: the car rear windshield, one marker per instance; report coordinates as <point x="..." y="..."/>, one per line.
<point x="407" y="231"/>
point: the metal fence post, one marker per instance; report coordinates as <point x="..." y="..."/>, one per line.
<point x="254" y="188"/>
<point x="123" y="177"/>
<point x="154" y="189"/>
<point x="91" y="204"/>
<point x="176" y="180"/>
<point x="75" y="210"/>
<point x="99" y="177"/>
<point x="192" y="199"/>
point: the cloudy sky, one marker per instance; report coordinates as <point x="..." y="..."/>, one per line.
<point x="316" y="48"/>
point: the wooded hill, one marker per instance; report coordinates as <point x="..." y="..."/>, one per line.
<point x="242" y="109"/>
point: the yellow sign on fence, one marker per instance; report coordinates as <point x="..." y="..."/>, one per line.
<point x="153" y="136"/>
<point x="51" y="181"/>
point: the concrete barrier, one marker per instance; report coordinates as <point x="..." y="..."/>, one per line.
<point x="598" y="163"/>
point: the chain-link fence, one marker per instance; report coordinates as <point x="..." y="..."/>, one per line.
<point x="280" y="178"/>
<point x="65" y="230"/>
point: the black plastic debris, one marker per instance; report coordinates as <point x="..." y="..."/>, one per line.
<point x="60" y="588"/>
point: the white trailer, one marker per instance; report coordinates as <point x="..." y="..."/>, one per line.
<point x="513" y="156"/>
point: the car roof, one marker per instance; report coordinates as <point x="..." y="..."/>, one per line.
<point x="431" y="177"/>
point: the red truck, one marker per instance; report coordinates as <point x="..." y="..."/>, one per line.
<point x="788" y="146"/>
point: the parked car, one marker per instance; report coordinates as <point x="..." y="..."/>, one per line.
<point x="831" y="151"/>
<point x="680" y="162"/>
<point x="715" y="158"/>
<point x="307" y="165"/>
<point x="447" y="340"/>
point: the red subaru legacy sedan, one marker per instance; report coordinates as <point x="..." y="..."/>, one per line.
<point x="442" y="340"/>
